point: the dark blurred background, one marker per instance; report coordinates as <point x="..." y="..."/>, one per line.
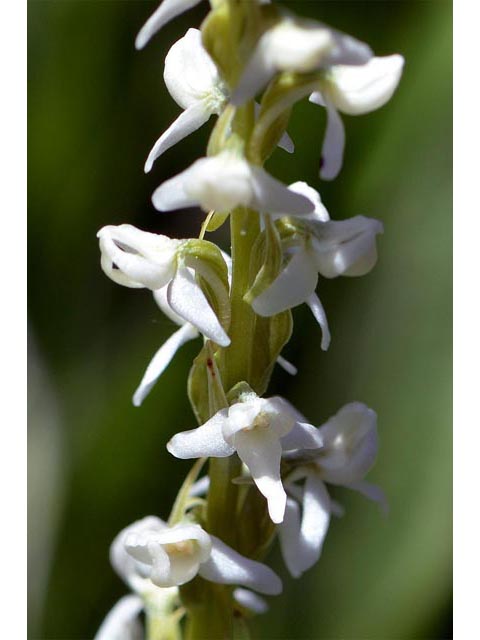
<point x="96" y="463"/>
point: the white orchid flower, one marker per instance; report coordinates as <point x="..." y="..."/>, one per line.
<point x="168" y="10"/>
<point x="329" y="248"/>
<point x="138" y="259"/>
<point x="349" y="448"/>
<point x="194" y="83"/>
<point x="171" y="556"/>
<point x="123" y="622"/>
<point x="353" y="90"/>
<point x="225" y="181"/>
<point x="300" y="46"/>
<point x="257" y="429"/>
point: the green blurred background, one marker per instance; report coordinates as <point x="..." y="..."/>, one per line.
<point x="95" y="462"/>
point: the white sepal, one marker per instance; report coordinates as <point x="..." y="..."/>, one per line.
<point x="167" y="10"/>
<point x="333" y="147"/>
<point x="316" y="307"/>
<point x="122" y="622"/>
<point x="227" y="566"/>
<point x="204" y="441"/>
<point x="162" y="359"/>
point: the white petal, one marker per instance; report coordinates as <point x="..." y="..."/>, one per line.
<point x="319" y="212"/>
<point x="171" y="194"/>
<point x="187" y="122"/>
<point x="167" y="10"/>
<point x="162" y="359"/>
<point x="318" y="311"/>
<point x="204" y="441"/>
<point x="350" y="444"/>
<point x="372" y="492"/>
<point x="160" y="297"/>
<point x="333" y="145"/>
<point x="261" y="451"/>
<point x="272" y="196"/>
<point x="250" y="600"/>
<point x="258" y="72"/>
<point x="191" y="75"/>
<point x="302" y="436"/>
<point x="347" y="50"/>
<point x="289" y="538"/>
<point x="187" y="299"/>
<point x="361" y="89"/>
<point x="294" y="285"/>
<point x="346" y="247"/>
<point x="287" y="366"/>
<point x="227" y="566"/>
<point x="275" y="413"/>
<point x="315" y="521"/>
<point x="122" y="623"/>
<point x="200" y="487"/>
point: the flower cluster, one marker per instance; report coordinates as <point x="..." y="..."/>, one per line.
<point x="268" y="466"/>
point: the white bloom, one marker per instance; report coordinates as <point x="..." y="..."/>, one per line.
<point x="171" y="556"/>
<point x="137" y="258"/>
<point x="353" y="90"/>
<point x="296" y="45"/>
<point x="195" y="84"/>
<point x="330" y="248"/>
<point x="348" y="452"/>
<point x="167" y="10"/>
<point x="225" y="181"/>
<point x="256" y="429"/>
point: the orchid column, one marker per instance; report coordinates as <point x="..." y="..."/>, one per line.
<point x="267" y="465"/>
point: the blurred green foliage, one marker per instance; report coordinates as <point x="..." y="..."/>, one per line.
<point x="97" y="463"/>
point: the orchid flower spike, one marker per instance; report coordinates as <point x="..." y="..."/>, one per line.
<point x="168" y="10"/>
<point x="348" y="451"/>
<point x="171" y="556"/>
<point x="329" y="248"/>
<point x="300" y="46"/>
<point x="257" y="429"/>
<point x="353" y="90"/>
<point x="225" y="181"/>
<point x="140" y="259"/>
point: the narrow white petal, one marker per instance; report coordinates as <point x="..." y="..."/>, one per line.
<point x="186" y="123"/>
<point x="188" y="300"/>
<point x="162" y="359"/>
<point x="261" y="451"/>
<point x="372" y="492"/>
<point x="167" y="10"/>
<point x="227" y="566"/>
<point x="294" y="285"/>
<point x="289" y="538"/>
<point x="287" y="366"/>
<point x="348" y="50"/>
<point x="200" y="487"/>
<point x="272" y="196"/>
<point x="250" y="600"/>
<point x="302" y="436"/>
<point x="258" y="72"/>
<point x="171" y="194"/>
<point x="315" y="520"/>
<point x="204" y="441"/>
<point x="333" y="145"/>
<point x="122" y="622"/>
<point x="286" y="143"/>
<point x="361" y="89"/>
<point x="316" y="307"/>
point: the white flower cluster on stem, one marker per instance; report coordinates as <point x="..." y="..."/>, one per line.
<point x="199" y="574"/>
